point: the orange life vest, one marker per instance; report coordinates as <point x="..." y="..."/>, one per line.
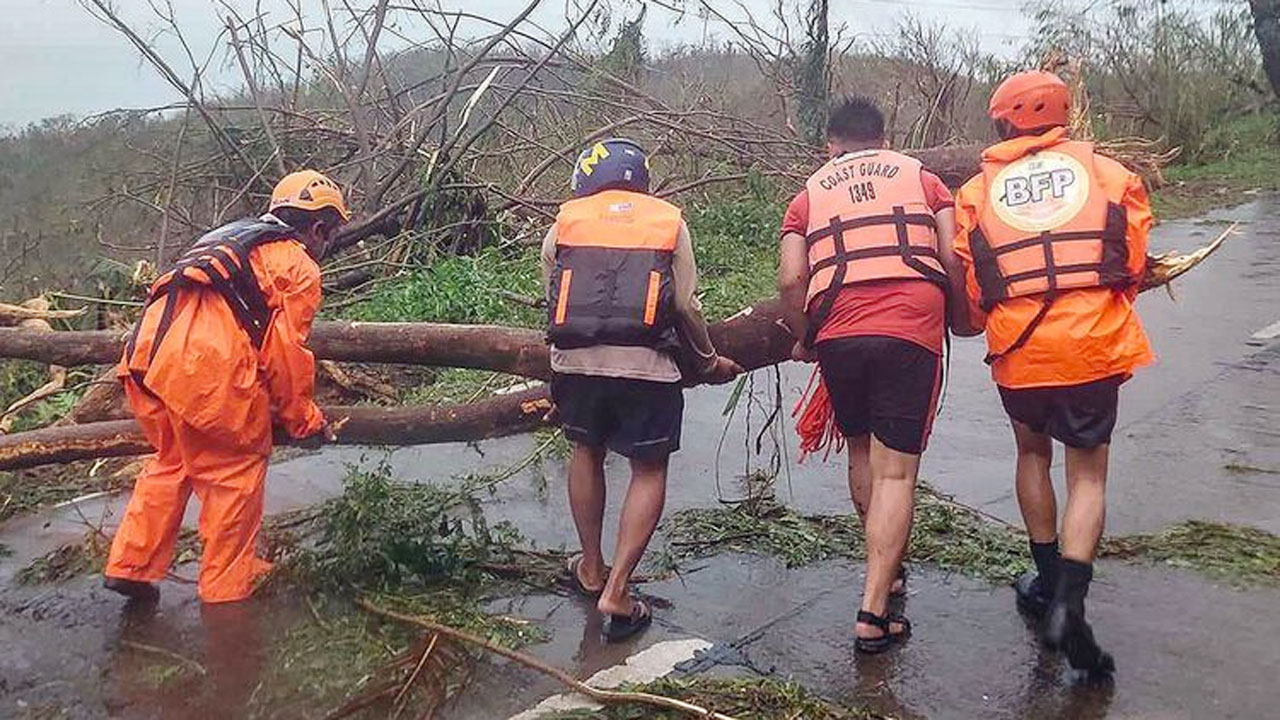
<point x="612" y="283"/>
<point x="1047" y="226"/>
<point x="219" y="260"/>
<point x="869" y="220"/>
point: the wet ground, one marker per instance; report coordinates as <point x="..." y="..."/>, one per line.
<point x="1198" y="438"/>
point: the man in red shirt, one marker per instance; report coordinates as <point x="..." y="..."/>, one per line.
<point x="865" y="260"/>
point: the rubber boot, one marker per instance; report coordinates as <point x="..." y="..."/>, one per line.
<point x="135" y="590"/>
<point x="1066" y="628"/>
<point x="1035" y="590"/>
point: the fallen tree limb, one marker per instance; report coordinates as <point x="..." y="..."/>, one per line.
<point x="366" y="425"/>
<point x="609" y="697"/>
<point x="754" y="337"/>
<point x="516" y="351"/>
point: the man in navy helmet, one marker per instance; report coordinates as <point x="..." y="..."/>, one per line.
<point x="620" y="281"/>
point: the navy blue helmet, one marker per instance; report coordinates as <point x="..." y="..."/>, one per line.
<point x="613" y="164"/>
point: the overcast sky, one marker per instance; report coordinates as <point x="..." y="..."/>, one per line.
<point x="56" y="58"/>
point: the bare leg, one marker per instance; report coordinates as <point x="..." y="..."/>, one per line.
<point x="1035" y="489"/>
<point x="640" y="514"/>
<point x="860" y="474"/>
<point x="586" y="500"/>
<point x="1086" y="502"/>
<point x="888" y="523"/>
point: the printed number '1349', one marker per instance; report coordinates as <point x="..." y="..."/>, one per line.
<point x="862" y="192"/>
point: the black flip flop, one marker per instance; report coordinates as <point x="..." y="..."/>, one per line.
<point x="575" y="580"/>
<point x="621" y="627"/>
<point x="875" y="646"/>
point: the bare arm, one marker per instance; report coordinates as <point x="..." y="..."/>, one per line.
<point x="793" y="283"/>
<point x="957" y="297"/>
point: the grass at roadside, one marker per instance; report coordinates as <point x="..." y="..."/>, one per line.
<point x="1247" y="154"/>
<point x="745" y="698"/>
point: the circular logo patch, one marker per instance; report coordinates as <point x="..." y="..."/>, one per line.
<point x="1040" y="192"/>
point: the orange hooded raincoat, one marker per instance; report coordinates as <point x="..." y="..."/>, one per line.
<point x="1088" y="334"/>
<point x="208" y="407"/>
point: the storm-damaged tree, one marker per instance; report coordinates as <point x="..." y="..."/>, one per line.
<point x="1266" y="26"/>
<point x="813" y="75"/>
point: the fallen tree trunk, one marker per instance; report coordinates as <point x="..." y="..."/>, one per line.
<point x="486" y="347"/>
<point x="753" y="337"/>
<point x="413" y="425"/>
<point x="515" y="351"/>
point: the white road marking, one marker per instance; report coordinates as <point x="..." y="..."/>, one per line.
<point x="1269" y="332"/>
<point x="645" y="666"/>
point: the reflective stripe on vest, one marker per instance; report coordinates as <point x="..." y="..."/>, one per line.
<point x="869" y="220"/>
<point x="612" y="283"/>
<point x="1047" y="225"/>
<point x="219" y="261"/>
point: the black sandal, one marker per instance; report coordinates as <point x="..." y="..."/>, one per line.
<point x="877" y="645"/>
<point x="901" y="592"/>
<point x="575" y="580"/>
<point x="621" y="627"/>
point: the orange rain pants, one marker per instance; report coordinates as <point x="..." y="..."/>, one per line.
<point x="208" y="408"/>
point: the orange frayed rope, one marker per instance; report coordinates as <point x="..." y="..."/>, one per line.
<point x="816" y="423"/>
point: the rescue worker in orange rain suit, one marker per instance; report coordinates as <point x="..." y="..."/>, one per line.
<point x="1054" y="241"/>
<point x="218" y="356"/>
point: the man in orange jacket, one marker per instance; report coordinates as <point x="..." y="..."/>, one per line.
<point x="865" y="274"/>
<point x="1054" y="241"/>
<point x="217" y="358"/>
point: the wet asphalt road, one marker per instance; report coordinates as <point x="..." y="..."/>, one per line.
<point x="1197" y="438"/>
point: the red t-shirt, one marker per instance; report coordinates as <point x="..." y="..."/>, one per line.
<point x="911" y="310"/>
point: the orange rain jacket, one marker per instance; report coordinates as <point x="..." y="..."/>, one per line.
<point x="207" y="372"/>
<point x="1088" y="333"/>
<point x="206" y="402"/>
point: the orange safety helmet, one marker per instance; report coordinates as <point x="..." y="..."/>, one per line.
<point x="1030" y="100"/>
<point x="309" y="190"/>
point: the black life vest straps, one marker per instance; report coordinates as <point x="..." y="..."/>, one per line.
<point x="222" y="256"/>
<point x="899" y="219"/>
<point x="1112" y="268"/>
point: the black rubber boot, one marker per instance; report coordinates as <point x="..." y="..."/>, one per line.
<point x="1033" y="599"/>
<point x="135" y="590"/>
<point x="1066" y="628"/>
<point x="1035" y="590"/>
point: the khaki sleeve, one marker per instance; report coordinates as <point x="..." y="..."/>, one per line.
<point x="548" y="260"/>
<point x="692" y="325"/>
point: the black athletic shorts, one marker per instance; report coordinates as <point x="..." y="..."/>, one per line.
<point x="1078" y="416"/>
<point x="635" y="418"/>
<point x="883" y="386"/>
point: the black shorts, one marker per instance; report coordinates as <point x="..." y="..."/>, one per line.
<point x="638" y="419"/>
<point x="1078" y="416"/>
<point x="883" y="386"/>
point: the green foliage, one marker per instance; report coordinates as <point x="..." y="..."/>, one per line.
<point x="1243" y="154"/>
<point x="736" y="244"/>
<point x="460" y="289"/>
<point x="1240" y="555"/>
<point x="752" y="698"/>
<point x="18" y="378"/>
<point x="381" y="534"/>
<point x="26" y="490"/>
<point x="945" y="534"/>
<point x="68" y="561"/>
<point x="323" y="661"/>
